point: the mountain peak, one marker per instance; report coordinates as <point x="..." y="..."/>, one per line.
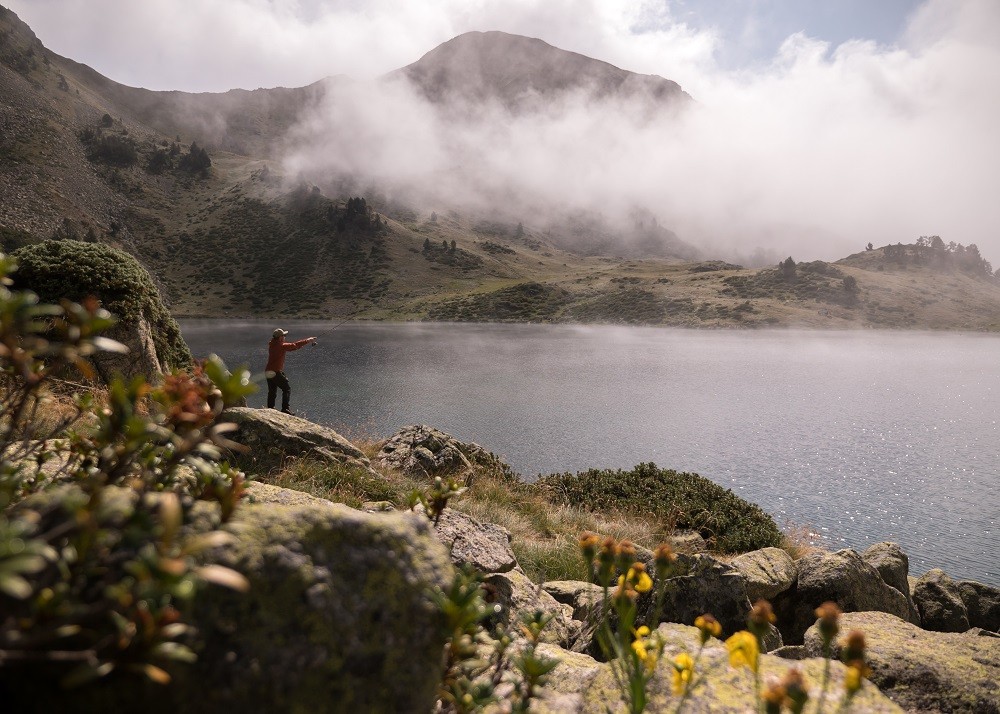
<point x="513" y="69"/>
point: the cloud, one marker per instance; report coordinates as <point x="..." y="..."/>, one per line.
<point x="815" y="154"/>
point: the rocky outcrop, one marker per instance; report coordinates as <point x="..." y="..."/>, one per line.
<point x="272" y="437"/>
<point x="767" y="572"/>
<point x="894" y="566"/>
<point x="484" y="546"/>
<point x="982" y="604"/>
<point x="581" y="685"/>
<point x="338" y="617"/>
<point x="704" y="585"/>
<point x="939" y="602"/>
<point x="421" y="450"/>
<point x="842" y="577"/>
<point x="926" y="671"/>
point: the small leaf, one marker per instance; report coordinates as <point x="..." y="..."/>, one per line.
<point x="156" y="674"/>
<point x="227" y="577"/>
<point x="86" y="672"/>
<point x="108" y="345"/>
<point x="15" y="586"/>
<point x="175" y="651"/>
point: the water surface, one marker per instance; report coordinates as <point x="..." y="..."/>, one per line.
<point x="862" y="436"/>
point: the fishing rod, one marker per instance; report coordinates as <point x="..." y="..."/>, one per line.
<point x="339" y="324"/>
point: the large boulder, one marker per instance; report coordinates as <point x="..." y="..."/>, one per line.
<point x="76" y="270"/>
<point x="581" y="685"/>
<point x="704" y="585"/>
<point x="271" y="438"/>
<point x="339" y="617"/>
<point x="982" y="603"/>
<point x="484" y="546"/>
<point x="894" y="566"/>
<point x="421" y="450"/>
<point x="939" y="602"/>
<point x="926" y="671"/>
<point x="842" y="577"/>
<point x="767" y="572"/>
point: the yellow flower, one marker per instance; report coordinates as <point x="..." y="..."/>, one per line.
<point x="643" y="631"/>
<point x="852" y="680"/>
<point x="639" y="647"/>
<point x="683" y="672"/>
<point x="639" y="579"/>
<point x="743" y="650"/>
<point x="708" y="626"/>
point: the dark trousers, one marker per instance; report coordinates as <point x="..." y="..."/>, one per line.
<point x="278" y="380"/>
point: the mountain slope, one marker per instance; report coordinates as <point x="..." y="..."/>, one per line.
<point x="84" y="157"/>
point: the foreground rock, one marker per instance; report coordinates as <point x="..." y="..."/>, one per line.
<point x="338" y="618"/>
<point x="272" y="438"/>
<point x="767" y="572"/>
<point x="484" y="546"/>
<point x="940" y="603"/>
<point x="893" y="566"/>
<point x="517" y="595"/>
<point x="982" y="604"/>
<point x="926" y="671"/>
<point x="582" y="685"/>
<point x="421" y="450"/>
<point x="842" y="577"/>
<point x="705" y="585"/>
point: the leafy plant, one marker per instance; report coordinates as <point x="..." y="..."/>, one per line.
<point x="99" y="541"/>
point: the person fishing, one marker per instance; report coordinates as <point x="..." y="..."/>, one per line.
<point x="277" y="348"/>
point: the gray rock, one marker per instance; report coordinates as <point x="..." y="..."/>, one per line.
<point x="982" y="604"/>
<point x="705" y="585"/>
<point x="517" y="595"/>
<point x="690" y="542"/>
<point x="421" y="450"/>
<point x="766" y="572"/>
<point x="141" y="359"/>
<point x="581" y="685"/>
<point x="484" y="546"/>
<point x="272" y="438"/>
<point x="585" y="598"/>
<point x="894" y="566"/>
<point x="926" y="671"/>
<point x="338" y="617"/>
<point x="939" y="602"/>
<point x="842" y="577"/>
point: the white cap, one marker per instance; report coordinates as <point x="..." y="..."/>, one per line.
<point x="279" y="333"/>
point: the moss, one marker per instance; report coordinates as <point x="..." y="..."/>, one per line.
<point x="69" y="269"/>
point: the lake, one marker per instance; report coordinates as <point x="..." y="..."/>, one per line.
<point x="861" y="436"/>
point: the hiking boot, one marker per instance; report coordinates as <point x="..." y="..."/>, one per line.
<point x="288" y="412"/>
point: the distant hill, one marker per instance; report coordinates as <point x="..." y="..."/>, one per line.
<point x="189" y="184"/>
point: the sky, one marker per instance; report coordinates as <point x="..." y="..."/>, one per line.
<point x="818" y="126"/>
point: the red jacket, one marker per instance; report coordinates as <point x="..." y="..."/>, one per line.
<point x="276" y="353"/>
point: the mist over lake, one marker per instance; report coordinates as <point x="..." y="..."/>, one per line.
<point x="862" y="436"/>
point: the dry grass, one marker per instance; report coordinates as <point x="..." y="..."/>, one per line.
<point x="799" y="541"/>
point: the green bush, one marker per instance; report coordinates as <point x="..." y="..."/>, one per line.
<point x="683" y="500"/>
<point x="73" y="270"/>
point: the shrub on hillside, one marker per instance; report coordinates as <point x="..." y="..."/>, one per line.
<point x="683" y="500"/>
<point x="74" y="270"/>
